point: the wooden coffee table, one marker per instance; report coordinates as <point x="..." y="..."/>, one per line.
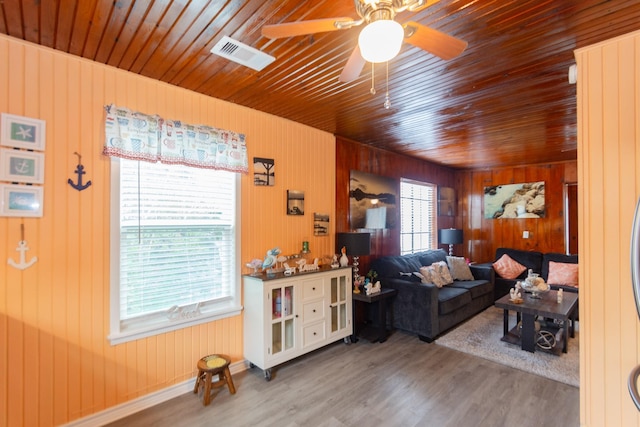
<point x="545" y="307"/>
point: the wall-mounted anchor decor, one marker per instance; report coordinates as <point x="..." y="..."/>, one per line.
<point x="22" y="248"/>
<point x="80" y="171"/>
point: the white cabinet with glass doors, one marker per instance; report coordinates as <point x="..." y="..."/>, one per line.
<point x="287" y="316"/>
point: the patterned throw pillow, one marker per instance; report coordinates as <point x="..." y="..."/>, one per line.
<point x="562" y="273"/>
<point x="442" y="269"/>
<point x="508" y="268"/>
<point x="436" y="273"/>
<point x="459" y="268"/>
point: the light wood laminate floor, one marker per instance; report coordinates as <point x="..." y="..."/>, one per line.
<point x="402" y="382"/>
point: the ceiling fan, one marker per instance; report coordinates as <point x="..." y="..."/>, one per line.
<point x="380" y="40"/>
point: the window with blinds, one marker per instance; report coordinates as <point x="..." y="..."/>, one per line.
<point x="417" y="216"/>
<point x="173" y="247"/>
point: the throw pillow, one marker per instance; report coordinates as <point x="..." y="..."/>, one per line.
<point x="443" y="271"/>
<point x="508" y="268"/>
<point x="427" y="273"/>
<point x="562" y="273"/>
<point x="431" y="275"/>
<point x="459" y="268"/>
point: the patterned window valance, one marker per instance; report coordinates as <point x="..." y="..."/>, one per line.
<point x="137" y="136"/>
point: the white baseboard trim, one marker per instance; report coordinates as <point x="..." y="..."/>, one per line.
<point x="125" y="409"/>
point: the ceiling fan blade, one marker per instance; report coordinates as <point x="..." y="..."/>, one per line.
<point x="433" y="41"/>
<point x="354" y="66"/>
<point x="301" y="28"/>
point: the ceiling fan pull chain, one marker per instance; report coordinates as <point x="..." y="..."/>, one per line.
<point x="387" y="101"/>
<point x="373" y="88"/>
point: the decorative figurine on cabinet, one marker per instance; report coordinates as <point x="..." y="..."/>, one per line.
<point x="344" y="260"/>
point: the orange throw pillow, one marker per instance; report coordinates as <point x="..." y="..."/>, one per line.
<point x="562" y="273"/>
<point x="508" y="268"/>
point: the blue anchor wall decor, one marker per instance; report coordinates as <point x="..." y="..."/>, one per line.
<point x="80" y="171"/>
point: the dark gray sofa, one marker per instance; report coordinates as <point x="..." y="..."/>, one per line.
<point x="536" y="261"/>
<point x="425" y="309"/>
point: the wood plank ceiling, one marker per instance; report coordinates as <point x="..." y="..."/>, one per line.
<point x="505" y="100"/>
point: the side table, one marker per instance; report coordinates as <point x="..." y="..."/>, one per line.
<point x="379" y="300"/>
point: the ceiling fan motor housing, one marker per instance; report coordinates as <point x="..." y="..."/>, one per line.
<point x="375" y="10"/>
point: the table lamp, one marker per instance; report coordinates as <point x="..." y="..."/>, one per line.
<point x="450" y="236"/>
<point x="356" y="244"/>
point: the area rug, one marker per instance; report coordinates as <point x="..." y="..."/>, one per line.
<point x="480" y="336"/>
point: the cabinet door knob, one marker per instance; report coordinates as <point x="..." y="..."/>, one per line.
<point x="314" y="310"/>
<point x="313" y="289"/>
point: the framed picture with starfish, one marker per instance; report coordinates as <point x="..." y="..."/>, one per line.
<point x="22" y="132"/>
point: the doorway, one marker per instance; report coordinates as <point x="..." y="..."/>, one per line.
<point x="571" y="218"/>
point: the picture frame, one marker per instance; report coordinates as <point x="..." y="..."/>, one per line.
<point x="515" y="201"/>
<point x="264" y="172"/>
<point x="22" y="132"/>
<point x="446" y="201"/>
<point x="320" y="224"/>
<point x="21" y="200"/>
<point x="21" y="166"/>
<point x="295" y="202"/>
<point x="372" y="201"/>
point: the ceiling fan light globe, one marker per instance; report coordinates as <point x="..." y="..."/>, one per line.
<point x="380" y="40"/>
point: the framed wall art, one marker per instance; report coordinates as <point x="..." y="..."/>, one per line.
<point x="21" y="166"/>
<point x="446" y="201"/>
<point x="295" y="202"/>
<point x="22" y="132"/>
<point x="514" y="201"/>
<point x="320" y="224"/>
<point x="264" y="172"/>
<point x="21" y="200"/>
<point x="372" y="200"/>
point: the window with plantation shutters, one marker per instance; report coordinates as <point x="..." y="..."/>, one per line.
<point x="417" y="216"/>
<point x="173" y="247"/>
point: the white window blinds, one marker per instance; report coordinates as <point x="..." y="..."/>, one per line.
<point x="417" y="216"/>
<point x="176" y="234"/>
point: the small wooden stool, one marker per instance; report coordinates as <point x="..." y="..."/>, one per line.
<point x="208" y="366"/>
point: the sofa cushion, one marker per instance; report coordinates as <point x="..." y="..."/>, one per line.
<point x="563" y="273"/>
<point x="508" y="268"/>
<point x="429" y="257"/>
<point x="459" y="268"/>
<point x="392" y="266"/>
<point x="450" y="299"/>
<point x="477" y="288"/>
<point x="556" y="257"/>
<point x="530" y="259"/>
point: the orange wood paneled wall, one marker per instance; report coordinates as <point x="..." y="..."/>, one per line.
<point x="56" y="364"/>
<point x="483" y="236"/>
<point x="352" y="155"/>
<point x="609" y="177"/>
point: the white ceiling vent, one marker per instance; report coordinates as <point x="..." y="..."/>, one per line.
<point x="245" y="55"/>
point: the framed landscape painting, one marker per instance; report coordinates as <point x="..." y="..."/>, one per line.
<point x="524" y="200"/>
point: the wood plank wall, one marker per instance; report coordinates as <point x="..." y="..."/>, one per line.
<point x="56" y="364"/>
<point x="608" y="173"/>
<point x="483" y="236"/>
<point x="351" y="155"/>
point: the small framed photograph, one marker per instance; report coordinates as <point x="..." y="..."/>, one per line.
<point x="21" y="200"/>
<point x="22" y="132"/>
<point x="295" y="202"/>
<point x="21" y="166"/>
<point x="320" y="224"/>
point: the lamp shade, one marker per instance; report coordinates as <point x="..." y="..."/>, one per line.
<point x="357" y="244"/>
<point x="380" y="40"/>
<point x="450" y="236"/>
